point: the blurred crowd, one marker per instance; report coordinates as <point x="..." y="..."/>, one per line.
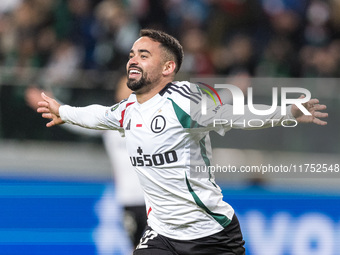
<point x="291" y="38"/>
<point x="276" y="38"/>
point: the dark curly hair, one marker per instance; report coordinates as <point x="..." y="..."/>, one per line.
<point x="173" y="48"/>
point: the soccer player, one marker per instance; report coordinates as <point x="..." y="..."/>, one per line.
<point x="166" y="137"/>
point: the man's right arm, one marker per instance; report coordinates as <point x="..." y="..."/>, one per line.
<point x="93" y="116"/>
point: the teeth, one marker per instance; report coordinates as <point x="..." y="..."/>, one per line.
<point x="134" y="72"/>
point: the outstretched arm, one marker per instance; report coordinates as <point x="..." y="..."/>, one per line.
<point x="50" y="110"/>
<point x="91" y="116"/>
<point x="314" y="108"/>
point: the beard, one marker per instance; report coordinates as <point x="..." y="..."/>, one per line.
<point x="135" y="85"/>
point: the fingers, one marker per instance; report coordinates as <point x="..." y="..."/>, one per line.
<point x="319" y="122"/>
<point x="315" y="108"/>
<point x="43" y="104"/>
<point x="47" y="115"/>
<point x="319" y="107"/>
<point x="320" y="114"/>
<point x="50" y="124"/>
<point x="316" y="111"/>
<point x="46" y="101"/>
<point x="47" y="108"/>
<point x="313" y="101"/>
<point x="53" y="121"/>
<point x="43" y="110"/>
<point x="46" y="98"/>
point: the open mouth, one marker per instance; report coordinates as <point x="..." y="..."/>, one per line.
<point x="134" y="73"/>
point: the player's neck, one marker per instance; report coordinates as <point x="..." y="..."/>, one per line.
<point x="151" y="91"/>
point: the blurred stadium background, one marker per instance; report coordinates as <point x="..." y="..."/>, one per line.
<point x="57" y="195"/>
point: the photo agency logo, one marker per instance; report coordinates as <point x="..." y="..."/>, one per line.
<point x="254" y="115"/>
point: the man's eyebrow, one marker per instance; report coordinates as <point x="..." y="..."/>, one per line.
<point x="140" y="51"/>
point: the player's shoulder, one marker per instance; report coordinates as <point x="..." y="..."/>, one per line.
<point x="182" y="91"/>
<point x="123" y="104"/>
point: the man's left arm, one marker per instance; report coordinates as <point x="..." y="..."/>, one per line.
<point x="222" y="118"/>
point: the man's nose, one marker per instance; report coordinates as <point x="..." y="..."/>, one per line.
<point x="133" y="61"/>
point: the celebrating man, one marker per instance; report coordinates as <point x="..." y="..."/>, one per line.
<point x="166" y="136"/>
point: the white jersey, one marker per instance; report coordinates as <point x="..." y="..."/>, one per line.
<point x="166" y="138"/>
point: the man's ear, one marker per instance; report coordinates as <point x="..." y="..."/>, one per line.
<point x="169" y="68"/>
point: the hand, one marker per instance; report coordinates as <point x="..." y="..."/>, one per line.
<point x="314" y="108"/>
<point x="33" y="96"/>
<point x="50" y="110"/>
